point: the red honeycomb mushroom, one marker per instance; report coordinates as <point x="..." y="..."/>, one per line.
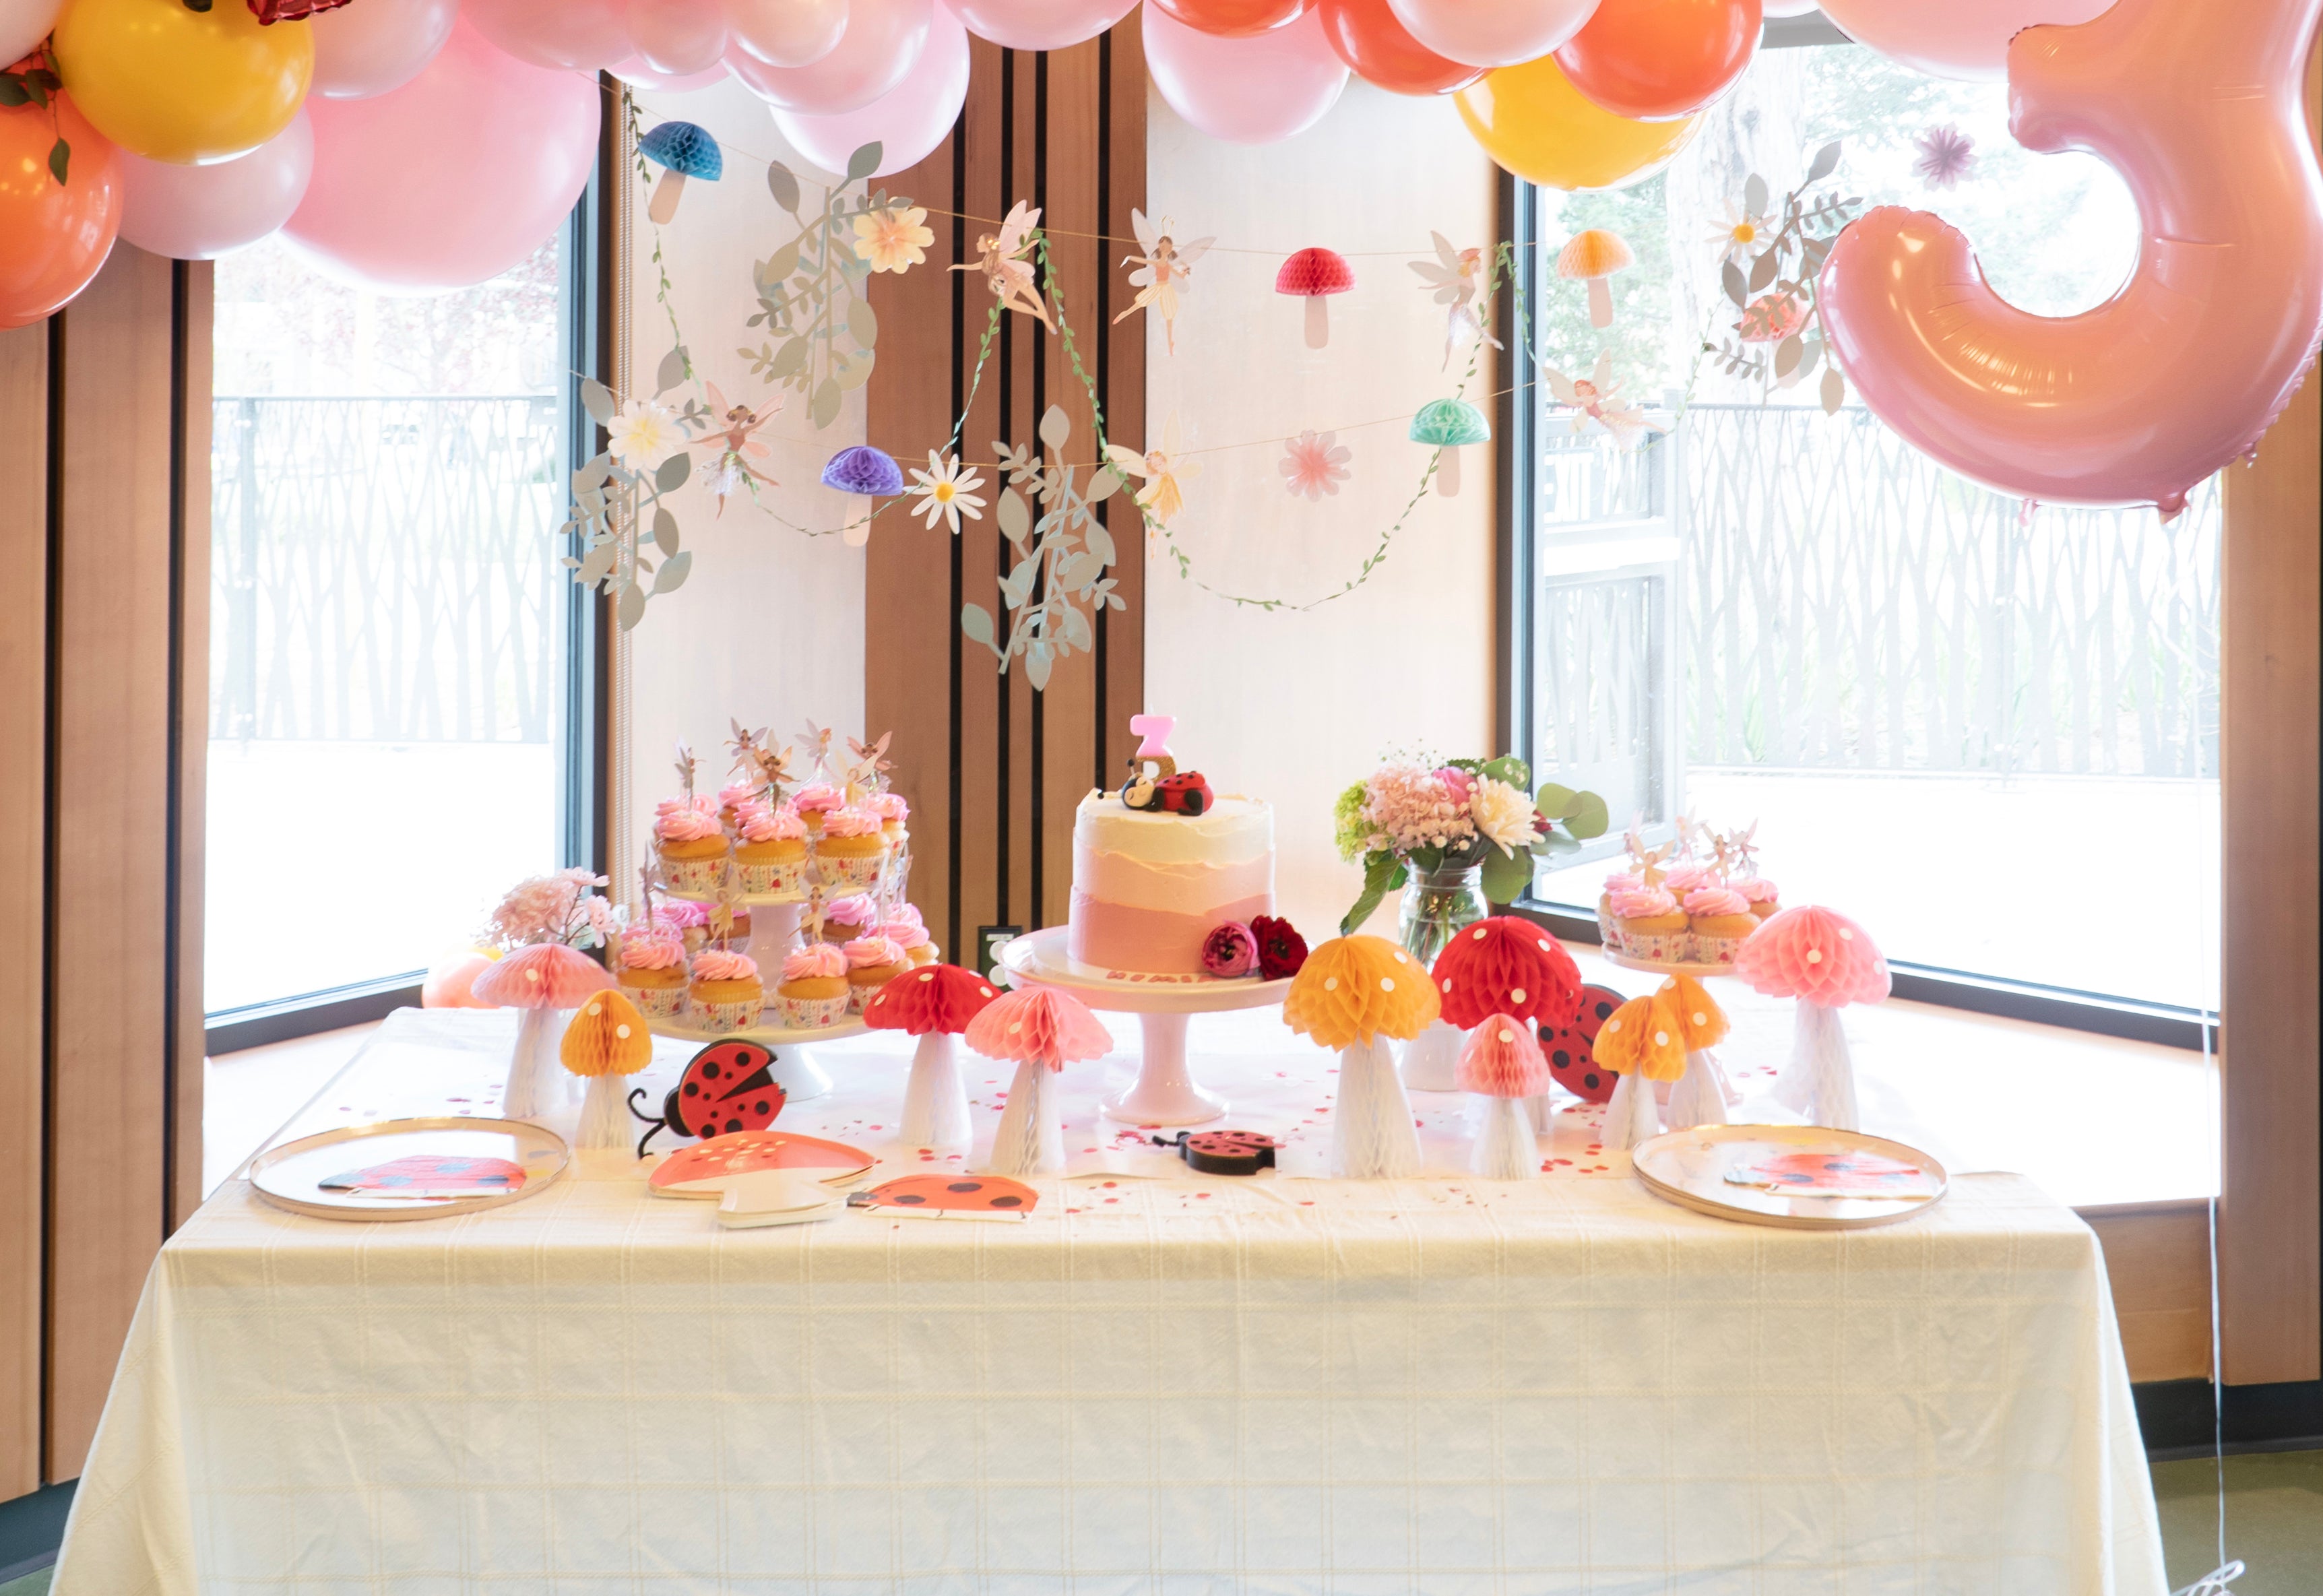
<point x="934" y="1003"/>
<point x="1507" y="965"/>
<point x="1313" y="274"/>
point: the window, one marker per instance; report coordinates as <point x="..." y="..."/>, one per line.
<point x="393" y="648"/>
<point x="1985" y="728"/>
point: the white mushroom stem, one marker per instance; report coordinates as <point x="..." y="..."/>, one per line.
<point x="605" y="1121"/>
<point x="1373" y="1137"/>
<point x="1431" y="1060"/>
<point x="1699" y="1099"/>
<point x="1631" y="1116"/>
<point x="935" y="1098"/>
<point x="1447" y="470"/>
<point x="1601" y="302"/>
<point x="1819" y="1081"/>
<point x="1505" y="1149"/>
<point x="1318" y="321"/>
<point x="528" y="1082"/>
<point x="1031" y="1138"/>
<point x="663" y="205"/>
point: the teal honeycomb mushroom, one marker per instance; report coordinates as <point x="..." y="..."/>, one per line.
<point x="1449" y="424"/>
<point x="682" y="149"/>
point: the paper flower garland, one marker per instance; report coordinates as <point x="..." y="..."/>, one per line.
<point x="1946" y="156"/>
<point x="946" y="491"/>
<point x="1314" y="463"/>
<point x="893" y="237"/>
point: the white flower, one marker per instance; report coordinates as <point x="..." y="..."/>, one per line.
<point x="1502" y="813"/>
<point x="1742" y="236"/>
<point x="644" y="435"/>
<point x="945" y="491"/>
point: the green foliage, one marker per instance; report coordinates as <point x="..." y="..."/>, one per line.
<point x="812" y="295"/>
<point x="1059" y="581"/>
<point x="1382" y="874"/>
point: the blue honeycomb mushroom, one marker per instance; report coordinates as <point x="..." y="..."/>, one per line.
<point x="865" y="470"/>
<point x="682" y="149"/>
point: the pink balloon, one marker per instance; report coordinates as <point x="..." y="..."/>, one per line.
<point x="883" y="39"/>
<point x="635" y="72"/>
<point x="678" y="37"/>
<point x="1253" y="91"/>
<point x="23" y="23"/>
<point x="908" y="121"/>
<point x="2180" y="373"/>
<point x="198" y="213"/>
<point x="360" y="50"/>
<point x="1039" y="24"/>
<point x="586" y="35"/>
<point x="453" y="178"/>
<point x="1951" y="38"/>
<point x="1493" y="33"/>
<point x="787" y="33"/>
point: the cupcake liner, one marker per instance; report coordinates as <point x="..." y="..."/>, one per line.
<point x="1715" y="950"/>
<point x="693" y="875"/>
<point x="657" y="1002"/>
<point x="787" y="877"/>
<point x="1659" y="947"/>
<point x="850" y="872"/>
<point x="810" y="1013"/>
<point x="724" y="1017"/>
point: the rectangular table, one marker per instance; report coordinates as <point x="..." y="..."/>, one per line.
<point x="1185" y="1385"/>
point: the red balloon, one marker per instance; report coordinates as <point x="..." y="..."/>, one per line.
<point x="53" y="237"/>
<point x="1233" y="19"/>
<point x="1655" y="61"/>
<point x="1366" y="35"/>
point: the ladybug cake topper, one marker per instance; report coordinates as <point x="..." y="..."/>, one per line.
<point x="1155" y="785"/>
<point x="727" y="1087"/>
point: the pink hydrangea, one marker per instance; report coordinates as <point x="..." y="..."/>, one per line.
<point x="544" y="909"/>
<point x="1415" y="808"/>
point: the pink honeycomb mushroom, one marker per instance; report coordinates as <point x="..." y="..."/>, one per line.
<point x="1502" y="1064"/>
<point x="1042" y="1030"/>
<point x="1312" y="274"/>
<point x="537" y="980"/>
<point x="1825" y="961"/>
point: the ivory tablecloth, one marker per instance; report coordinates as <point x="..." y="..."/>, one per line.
<point x="1183" y="1385"/>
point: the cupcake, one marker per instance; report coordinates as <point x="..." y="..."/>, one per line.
<point x="726" y="995"/>
<point x="770" y="850"/>
<point x="651" y="970"/>
<point x="1650" y="924"/>
<point x="815" y="799"/>
<point x="871" y="963"/>
<point x="1619" y="881"/>
<point x="813" y="993"/>
<point x="1764" y="901"/>
<point x="848" y="918"/>
<point x="849" y="852"/>
<point x="891" y="811"/>
<point x="734" y="797"/>
<point x="1719" y="918"/>
<point x="1682" y="879"/>
<point x="691" y="843"/>
<point x="688" y="923"/>
<point x="911" y="937"/>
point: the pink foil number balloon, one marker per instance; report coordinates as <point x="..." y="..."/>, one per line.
<point x="1948" y="38"/>
<point x="1816" y="956"/>
<point x="2137" y="400"/>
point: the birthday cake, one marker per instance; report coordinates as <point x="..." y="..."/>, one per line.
<point x="1159" y="864"/>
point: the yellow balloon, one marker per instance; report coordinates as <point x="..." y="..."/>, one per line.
<point x="176" y="85"/>
<point x="1537" y="125"/>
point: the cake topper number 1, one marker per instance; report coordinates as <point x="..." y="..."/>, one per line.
<point x="1155" y="729"/>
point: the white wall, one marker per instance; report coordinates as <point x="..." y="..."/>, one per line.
<point x="769" y="626"/>
<point x="1293" y="707"/>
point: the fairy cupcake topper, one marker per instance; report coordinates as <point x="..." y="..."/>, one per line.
<point x="1745" y="850"/>
<point x="774" y="769"/>
<point x="721" y="913"/>
<point x="810" y="922"/>
<point x="817" y="743"/>
<point x="872" y="762"/>
<point x="746" y="747"/>
<point x="646" y="892"/>
<point x="686" y="763"/>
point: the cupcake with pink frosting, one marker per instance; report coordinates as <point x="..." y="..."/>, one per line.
<point x="736" y="796"/>
<point x="850" y="852"/>
<point x="847" y="918"/>
<point x="1684" y="877"/>
<point x="1765" y="902"/>
<point x="814" y="801"/>
<point x="1719" y="920"/>
<point x="871" y="963"/>
<point x="651" y="970"/>
<point x="1618" y="881"/>
<point x="769" y="850"/>
<point x="813" y="992"/>
<point x="690" y="844"/>
<point x="1649" y="922"/>
<point x="727" y="992"/>
<point x="688" y="921"/>
<point x="911" y="937"/>
<point x="891" y="811"/>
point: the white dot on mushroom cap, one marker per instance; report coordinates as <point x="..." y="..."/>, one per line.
<point x="1661" y="1038"/>
<point x="1700" y="1018"/>
<point x="1447" y="983"/>
<point x="532" y="975"/>
<point x="1543" y="944"/>
<point x="927" y="975"/>
<point x="1018" y="1026"/>
<point x="1480" y="933"/>
<point x="622" y="1032"/>
<point x="1508" y="1036"/>
<point x="1515" y="995"/>
<point x="1814" y="956"/>
<point x="1331" y="983"/>
<point x="1846" y="935"/>
<point x="984" y="991"/>
<point x="1612" y="1024"/>
<point x="1400" y="958"/>
<point x="1387" y="982"/>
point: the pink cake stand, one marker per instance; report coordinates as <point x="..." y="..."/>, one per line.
<point x="1165" y="1092"/>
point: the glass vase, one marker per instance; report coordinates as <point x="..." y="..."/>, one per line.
<point x="1438" y="905"/>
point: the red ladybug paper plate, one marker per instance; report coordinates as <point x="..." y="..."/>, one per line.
<point x="697" y="1171"/>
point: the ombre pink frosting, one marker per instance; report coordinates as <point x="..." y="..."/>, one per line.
<point x="717" y="964"/>
<point x="676" y="820"/>
<point x="680" y="914"/>
<point x="1707" y="901"/>
<point x="759" y="823"/>
<point x="646" y="951"/>
<point x="817" y="796"/>
<point x="872" y="952"/>
<point x="821" y="960"/>
<point x="1757" y="889"/>
<point x="1682" y="879"/>
<point x="906" y="934"/>
<point x="1643" y="902"/>
<point x="850" y="823"/>
<point x="855" y="909"/>
<point x="888" y="806"/>
<point x="733" y="795"/>
<point x="1624" y="881"/>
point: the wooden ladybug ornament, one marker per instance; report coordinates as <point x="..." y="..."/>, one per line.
<point x="1222" y="1153"/>
<point x="1572" y="1049"/>
<point x="727" y="1087"/>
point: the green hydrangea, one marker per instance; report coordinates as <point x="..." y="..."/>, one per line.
<point x="1349" y="829"/>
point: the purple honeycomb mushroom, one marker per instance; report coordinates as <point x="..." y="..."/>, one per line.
<point x="865" y="470"/>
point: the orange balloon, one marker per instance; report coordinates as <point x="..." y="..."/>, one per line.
<point x="53" y="236"/>
<point x="1233" y="19"/>
<point x="1381" y="50"/>
<point x="1654" y="59"/>
<point x="1537" y="125"/>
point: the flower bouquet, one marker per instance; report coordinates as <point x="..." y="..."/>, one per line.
<point x="1459" y="834"/>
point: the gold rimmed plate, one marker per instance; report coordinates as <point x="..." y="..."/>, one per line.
<point x="410" y="1169"/>
<point x="1796" y="1176"/>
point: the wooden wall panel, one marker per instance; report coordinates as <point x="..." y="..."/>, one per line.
<point x="996" y="780"/>
<point x="23" y="845"/>
<point x="2271" y="1212"/>
<point x="2157" y="1259"/>
<point x="189" y="718"/>
<point x="108" y="992"/>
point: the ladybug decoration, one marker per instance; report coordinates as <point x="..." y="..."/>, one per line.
<point x="1222" y="1153"/>
<point x="951" y="1197"/>
<point x="1571" y="1049"/>
<point x="729" y="1085"/>
<point x="1163" y="790"/>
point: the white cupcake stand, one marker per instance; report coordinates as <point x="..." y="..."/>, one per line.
<point x="1164" y="1092"/>
<point x="774" y="929"/>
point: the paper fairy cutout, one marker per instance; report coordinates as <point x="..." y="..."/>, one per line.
<point x="1460" y="281"/>
<point x="1003" y="258"/>
<point x="1597" y="398"/>
<point x="730" y="470"/>
<point x="1162" y="272"/>
<point x="1161" y="469"/>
